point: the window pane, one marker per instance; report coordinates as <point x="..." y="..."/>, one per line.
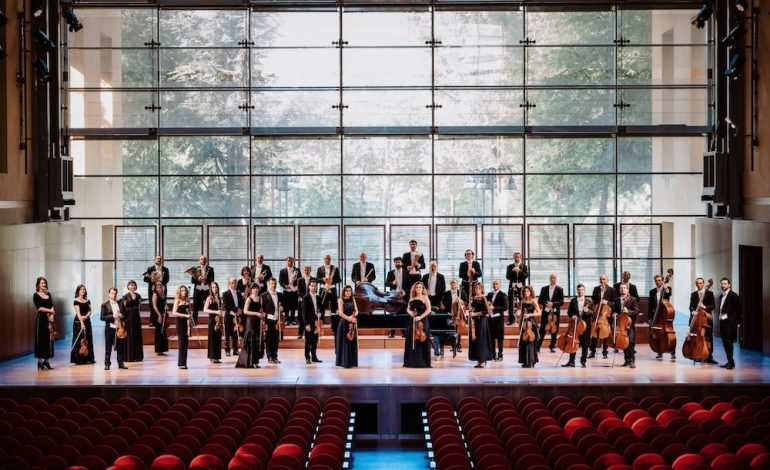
<point x="203" y="109"/>
<point x="228" y="242"/>
<point x="664" y="194"/>
<point x="499" y="28"/>
<point x="387" y="196"/>
<point x="294" y="67"/>
<point x="372" y="155"/>
<point x="295" y="196"/>
<point x="204" y="196"/>
<point x="301" y="156"/>
<point x="588" y="27"/>
<point x="673" y="106"/>
<point x="105" y="109"/>
<point x="386" y="67"/>
<point x="110" y="68"/>
<point x="570" y="155"/>
<point x="203" y="68"/>
<point x="282" y="29"/>
<point x="387" y="108"/>
<point x="571" y="66"/>
<point x="479" y="108"/>
<point x="202" y="28"/>
<point x="479" y="195"/>
<point x="118" y="27"/>
<point x="634" y="196"/>
<point x="660" y="154"/>
<point x="572" y="107"/>
<point x="295" y="109"/>
<point x="662" y="65"/>
<point x="115" y="197"/>
<point x="469" y="154"/>
<point x="378" y="28"/>
<point x="576" y="195"/>
<point x="204" y="155"/>
<point x="661" y="27"/>
<point x="114" y="157"/>
<point x="479" y="66"/>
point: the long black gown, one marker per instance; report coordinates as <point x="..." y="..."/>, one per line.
<point x="134" y="343"/>
<point x="252" y="350"/>
<point x="528" y="350"/>
<point x="160" y="339"/>
<point x="346" y="351"/>
<point x="77" y="336"/>
<point x="480" y="349"/>
<point x="43" y="341"/>
<point x="214" y="336"/>
<point x="417" y="354"/>
<point x="183" y="338"/>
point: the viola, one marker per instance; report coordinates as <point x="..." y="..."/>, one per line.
<point x="218" y="323"/>
<point x="121" y="327"/>
<point x="662" y="335"/>
<point x="352" y="331"/>
<point x="319" y="328"/>
<point x="83" y="351"/>
<point x="696" y="346"/>
<point x="419" y="331"/>
<point x="368" y="297"/>
<point x="568" y="341"/>
<point x="528" y="334"/>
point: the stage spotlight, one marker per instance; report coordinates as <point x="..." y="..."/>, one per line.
<point x="72" y="20"/>
<point x="734" y="34"/>
<point x="3" y="18"/>
<point x="736" y="65"/>
<point x="41" y="39"/>
<point x="40" y="66"/>
<point x="703" y="16"/>
<point x="740" y="5"/>
<point x="38" y="7"/>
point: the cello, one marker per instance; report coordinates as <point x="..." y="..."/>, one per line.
<point x="369" y="297"/>
<point x="620" y="339"/>
<point x="569" y="341"/>
<point x="662" y="335"/>
<point x="696" y="346"/>
<point x="601" y="327"/>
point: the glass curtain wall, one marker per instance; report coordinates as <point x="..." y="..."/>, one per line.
<point x="578" y="133"/>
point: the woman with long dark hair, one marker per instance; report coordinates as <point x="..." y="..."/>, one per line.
<point x="530" y="312"/>
<point x="253" y="337"/>
<point x="45" y="316"/>
<point x="82" y="351"/>
<point x="213" y="307"/>
<point x="480" y="347"/>
<point x="346" y="349"/>
<point x="416" y="352"/>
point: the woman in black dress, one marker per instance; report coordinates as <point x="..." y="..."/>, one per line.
<point x="417" y="353"/>
<point x="134" y="343"/>
<point x="82" y="333"/>
<point x="45" y="316"/>
<point x="530" y="318"/>
<point x="158" y="319"/>
<point x="244" y="283"/>
<point x="181" y="311"/>
<point x="254" y="337"/>
<point x="346" y="349"/>
<point x="480" y="340"/>
<point x="213" y="307"/>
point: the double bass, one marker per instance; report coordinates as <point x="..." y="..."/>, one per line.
<point x="368" y="297"/>
<point x="696" y="346"/>
<point x="662" y="335"/>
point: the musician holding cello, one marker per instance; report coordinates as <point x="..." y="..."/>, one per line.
<point x="658" y="294"/>
<point x="580" y="308"/>
<point x="602" y="294"/>
<point x="703" y="299"/>
<point x="625" y="310"/>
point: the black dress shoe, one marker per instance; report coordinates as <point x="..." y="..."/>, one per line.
<point x="659" y="356"/>
<point x="710" y="361"/>
<point x="633" y="365"/>
<point x="569" y="364"/>
<point x="307" y="361"/>
<point x="256" y="366"/>
<point x="591" y="355"/>
<point x="315" y="359"/>
<point x="227" y="353"/>
<point x="583" y="365"/>
<point x="552" y="349"/>
<point x="730" y="366"/>
<point x="183" y="367"/>
<point x="604" y="354"/>
<point x="122" y="366"/>
<point x="235" y="353"/>
<point x="107" y="367"/>
<point x="216" y="361"/>
<point x="47" y="365"/>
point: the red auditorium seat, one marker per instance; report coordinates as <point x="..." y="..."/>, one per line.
<point x="54" y="462"/>
<point x="37" y="403"/>
<point x="735" y="441"/>
<point x="249" y="401"/>
<point x="673" y="451"/>
<point x="44" y="443"/>
<point x="130" y="462"/>
<point x="740" y="401"/>
<point x="7" y="404"/>
<point x="217" y="450"/>
<point x="605" y="425"/>
<point x="641" y="424"/>
<point x="697" y="442"/>
<point x="761" y="461"/>
<point x="564" y="414"/>
<point x="626" y="407"/>
<point x="169" y="462"/>
<point x="528" y="400"/>
<point x="748" y="451"/>
<point x="282" y="462"/>
<point x="580" y="466"/>
<point x="630" y="417"/>
<point x="498" y="399"/>
<point x="251" y="411"/>
<point x="647" y="461"/>
<point x="655" y="430"/>
<point x="580" y="433"/>
<point x="756" y="433"/>
<point x="659" y="443"/>
<point x="685" y="432"/>
<point x="587" y="400"/>
<point x="67" y="452"/>
<point x="666" y="415"/>
<point x="92" y="462"/>
<point x="206" y="462"/>
<point x="593" y="407"/>
<point x="558" y="400"/>
<point x="531" y="462"/>
<point x="687" y="462"/>
<point x="555" y="440"/>
<point x="607" y="460"/>
<point x="656" y="408"/>
<point x="728" y="462"/>
<point x="491" y="461"/>
<point x="184" y="453"/>
<point x="602" y="416"/>
<point x="104" y="452"/>
<point x="122" y="410"/>
<point x="632" y="451"/>
<point x="618" y="400"/>
<point x="689" y="408"/>
<point x="648" y="401"/>
<point x="285" y="405"/>
<point x="710" y="451"/>
<point x="15" y="462"/>
<point x="245" y="462"/>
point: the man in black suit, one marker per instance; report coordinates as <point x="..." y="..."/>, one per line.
<point x="499" y="302"/>
<point x="233" y="305"/>
<point x="150" y="276"/>
<point x="703" y="298"/>
<point x="112" y="311"/>
<point x="303" y="284"/>
<point x="414" y="262"/>
<point x="311" y="304"/>
<point x="201" y="283"/>
<point x="658" y="294"/>
<point x="398" y="280"/>
<point x="729" y="318"/>
<point x="288" y="278"/>
<point x="551" y="299"/>
<point x="581" y="306"/>
<point x="261" y="272"/>
<point x="632" y="290"/>
<point x="434" y="284"/>
<point x="517" y="274"/>
<point x="603" y="294"/>
<point x="271" y="307"/>
<point x="449" y="298"/>
<point x="363" y="271"/>
<point x="470" y="273"/>
<point x="627" y="304"/>
<point x="328" y="276"/>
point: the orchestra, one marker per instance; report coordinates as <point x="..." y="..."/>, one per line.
<point x="251" y="314"/>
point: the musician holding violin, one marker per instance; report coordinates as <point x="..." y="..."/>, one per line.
<point x="581" y="313"/>
<point x="517" y="274"/>
<point x="703" y="299"/>
<point x="529" y="334"/>
<point x="44" y="332"/>
<point x="551" y="299"/>
<point x="602" y="295"/>
<point x="253" y="335"/>
<point x="243" y="284"/>
<point x="287" y="278"/>
<point x="113" y="314"/>
<point x="134" y="343"/>
<point x="311" y="318"/>
<point x="82" y="351"/>
<point x="417" y="345"/>
<point x="499" y="302"/>
<point x="214" y="307"/>
<point x="470" y="272"/>
<point x="479" y="339"/>
<point x="346" y="336"/>
<point x="624" y="312"/>
<point x="414" y="262"/>
<point x="658" y="294"/>
<point x="159" y="318"/>
<point x="232" y="301"/>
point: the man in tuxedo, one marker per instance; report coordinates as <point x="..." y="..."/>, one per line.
<point x="261" y="272"/>
<point x="233" y="305"/>
<point x="363" y="271"/>
<point x="632" y="290"/>
<point x="499" y="303"/>
<point x="627" y="304"/>
<point x="580" y="307"/>
<point x="470" y="272"/>
<point x="201" y="285"/>
<point x="551" y="299"/>
<point x="658" y="294"/>
<point x="414" y="261"/>
<point x="328" y="276"/>
<point x="398" y="280"/>
<point x="163" y="274"/>
<point x="271" y="307"/>
<point x="303" y="285"/>
<point x="311" y="304"/>
<point x="435" y="285"/>
<point x="517" y="274"/>
<point x="449" y="298"/>
<point x="603" y="294"/>
<point x="703" y="298"/>
<point x="288" y="278"/>
<point x="729" y="319"/>
<point x="111" y="312"/>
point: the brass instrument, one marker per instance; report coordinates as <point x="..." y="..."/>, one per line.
<point x="414" y="265"/>
<point x="153" y="275"/>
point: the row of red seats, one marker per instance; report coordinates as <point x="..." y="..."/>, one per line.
<point x="329" y="448"/>
<point x="446" y="441"/>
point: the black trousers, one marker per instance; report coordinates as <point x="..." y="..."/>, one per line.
<point x="199" y="299"/>
<point x="290" y="304"/>
<point x="111" y="341"/>
<point x="311" y="344"/>
<point x="182" y="340"/>
<point x="497" y="332"/>
<point x="543" y="325"/>
<point x="630" y="353"/>
<point x="231" y="334"/>
<point x="605" y="343"/>
<point x="300" y="320"/>
<point x="585" y="342"/>
<point x="728" y="341"/>
<point x="329" y="300"/>
<point x="271" y="340"/>
<point x="514" y="296"/>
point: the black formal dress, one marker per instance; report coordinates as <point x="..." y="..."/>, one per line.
<point x="160" y="338"/>
<point x="528" y="349"/>
<point x="345" y="349"/>
<point x="81" y="332"/>
<point x="480" y="343"/>
<point x="43" y="341"/>
<point x="182" y="335"/>
<point x="214" y="336"/>
<point x="253" y="339"/>
<point x="134" y="346"/>
<point x="416" y="353"/>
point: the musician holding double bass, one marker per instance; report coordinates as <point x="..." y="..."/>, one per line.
<point x="155" y="274"/>
<point x="517" y="274"/>
<point x="581" y="307"/>
<point x="703" y="298"/>
<point x="603" y="294"/>
<point x="658" y="294"/>
<point x="626" y="304"/>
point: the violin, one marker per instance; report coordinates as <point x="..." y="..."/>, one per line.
<point x="662" y="335"/>
<point x="218" y="323"/>
<point x="352" y="331"/>
<point x="419" y="331"/>
<point x="552" y="327"/>
<point x="121" y="327"/>
<point x="696" y="346"/>
<point x="83" y="351"/>
<point x="52" y="333"/>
